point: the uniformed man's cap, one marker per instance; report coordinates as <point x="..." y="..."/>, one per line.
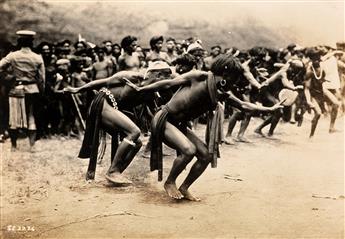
<point x="26" y="33"/>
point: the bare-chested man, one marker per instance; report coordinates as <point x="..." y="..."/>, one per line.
<point x="170" y="45"/>
<point x="156" y="53"/>
<point x="285" y="78"/>
<point x="108" y="56"/>
<point x="199" y="92"/>
<point x="316" y="93"/>
<point x="107" y="113"/>
<point x="102" y="68"/>
<point x="104" y="114"/>
<point x="129" y="60"/>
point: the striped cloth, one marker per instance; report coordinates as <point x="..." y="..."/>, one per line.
<point x="17" y="113"/>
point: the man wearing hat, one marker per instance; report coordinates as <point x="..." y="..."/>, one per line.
<point x="29" y="72"/>
<point x="196" y="50"/>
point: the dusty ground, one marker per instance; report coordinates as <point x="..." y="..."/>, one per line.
<point x="289" y="187"/>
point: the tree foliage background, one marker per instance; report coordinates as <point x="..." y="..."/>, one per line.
<point x="98" y="21"/>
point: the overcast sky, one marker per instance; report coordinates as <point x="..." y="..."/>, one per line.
<point x="314" y="22"/>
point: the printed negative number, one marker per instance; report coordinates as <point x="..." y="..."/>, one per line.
<point x="20" y="228"/>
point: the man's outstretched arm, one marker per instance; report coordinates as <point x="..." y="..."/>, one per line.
<point x="118" y="78"/>
<point x="249" y="76"/>
<point x="166" y="84"/>
<point x="251" y="106"/>
<point x="330" y="54"/>
<point x="279" y="73"/>
<point x="288" y="84"/>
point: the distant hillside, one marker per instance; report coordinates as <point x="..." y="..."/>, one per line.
<point x="97" y="22"/>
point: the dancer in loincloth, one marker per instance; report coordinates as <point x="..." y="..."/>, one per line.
<point x="107" y="113"/>
<point x="315" y="92"/>
<point x="104" y="114"/>
<point x="282" y="79"/>
<point x="199" y="93"/>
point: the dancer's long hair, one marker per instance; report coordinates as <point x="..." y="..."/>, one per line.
<point x="226" y="65"/>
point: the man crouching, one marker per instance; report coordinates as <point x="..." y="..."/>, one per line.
<point x="199" y="93"/>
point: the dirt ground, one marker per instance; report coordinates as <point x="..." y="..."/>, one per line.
<point x="287" y="187"/>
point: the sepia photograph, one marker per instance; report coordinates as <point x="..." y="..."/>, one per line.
<point x="172" y="119"/>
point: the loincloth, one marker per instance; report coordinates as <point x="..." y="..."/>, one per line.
<point x="213" y="136"/>
<point x="214" y="133"/>
<point x="157" y="131"/>
<point x="92" y="126"/>
<point x="93" y="130"/>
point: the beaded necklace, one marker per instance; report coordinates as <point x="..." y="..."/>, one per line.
<point x="317" y="77"/>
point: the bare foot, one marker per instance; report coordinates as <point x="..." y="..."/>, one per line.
<point x="172" y="191"/>
<point x="229" y="141"/>
<point x="146" y="155"/>
<point x="270" y="136"/>
<point x="117" y="178"/>
<point x="331" y="131"/>
<point x="242" y="140"/>
<point x="33" y="149"/>
<point x="187" y="195"/>
<point x="259" y="132"/>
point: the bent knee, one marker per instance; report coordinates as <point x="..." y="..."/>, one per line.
<point x="134" y="134"/>
<point x="189" y="150"/>
<point x="138" y="142"/>
<point x="204" y="157"/>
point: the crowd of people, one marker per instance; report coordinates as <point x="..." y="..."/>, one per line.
<point x="126" y="90"/>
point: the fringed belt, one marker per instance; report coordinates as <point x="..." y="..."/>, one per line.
<point x="110" y="96"/>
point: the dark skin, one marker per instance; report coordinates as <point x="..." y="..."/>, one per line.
<point x="313" y="103"/>
<point x="130" y="59"/>
<point x="189" y="102"/>
<point x="114" y="120"/>
<point x="245" y="116"/>
<point x="275" y="117"/>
